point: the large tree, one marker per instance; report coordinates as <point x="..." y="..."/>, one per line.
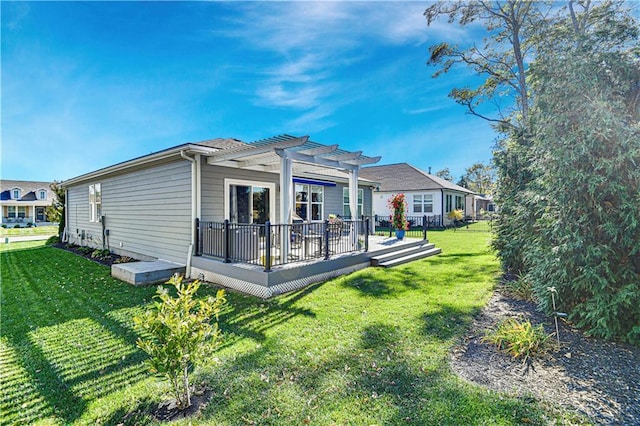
<point x="479" y="178"/>
<point x="568" y="158"/>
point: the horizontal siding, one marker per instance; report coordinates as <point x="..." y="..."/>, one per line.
<point x="147" y="211"/>
<point x="213" y="188"/>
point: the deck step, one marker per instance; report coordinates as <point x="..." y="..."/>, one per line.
<point x="146" y="273"/>
<point x="399" y="257"/>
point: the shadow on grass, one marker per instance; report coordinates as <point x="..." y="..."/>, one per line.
<point x="373" y="381"/>
<point x="250" y="317"/>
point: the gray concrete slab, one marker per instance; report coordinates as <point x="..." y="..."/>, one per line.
<point x="146" y="273"/>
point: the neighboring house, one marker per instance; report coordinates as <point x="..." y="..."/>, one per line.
<point x="484" y="206"/>
<point x="25" y="202"/>
<point x="426" y="194"/>
<point x="165" y="204"/>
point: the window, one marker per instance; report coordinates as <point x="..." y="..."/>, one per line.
<point x="22" y="212"/>
<point x="95" y="202"/>
<point x="346" y="210"/>
<point x="448" y="203"/>
<point x="309" y="201"/>
<point x="459" y="203"/>
<point x="423" y="203"/>
<point x="11" y="211"/>
<point x="15" y="193"/>
<point x="42" y="194"/>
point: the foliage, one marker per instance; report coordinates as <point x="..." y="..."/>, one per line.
<point x="180" y="334"/>
<point x="587" y="158"/>
<point x="455" y="215"/>
<point x="55" y="212"/>
<point x="521" y="288"/>
<point x="4" y="226"/>
<point x="445" y="174"/>
<point x="518" y="338"/>
<point x="398" y="205"/>
<point x="17" y="226"/>
<point x="100" y="254"/>
<point x="568" y="161"/>
<point x="54" y="239"/>
<point x="479" y="178"/>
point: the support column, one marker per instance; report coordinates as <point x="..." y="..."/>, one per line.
<point x="286" y="181"/>
<point x="353" y="205"/>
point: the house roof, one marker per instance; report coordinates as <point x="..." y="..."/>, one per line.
<point x="309" y="159"/>
<point x="28" y="190"/>
<point x="405" y="177"/>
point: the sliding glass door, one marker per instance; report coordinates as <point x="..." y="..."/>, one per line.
<point x="249" y="202"/>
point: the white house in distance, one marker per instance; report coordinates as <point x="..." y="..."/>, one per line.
<point x="23" y="202"/>
<point x="426" y="194"/>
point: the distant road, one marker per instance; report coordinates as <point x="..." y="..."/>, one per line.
<point x="17" y="238"/>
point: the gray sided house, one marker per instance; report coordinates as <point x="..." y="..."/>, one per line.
<point x="23" y="202"/>
<point x="245" y="215"/>
<point x="426" y="194"/>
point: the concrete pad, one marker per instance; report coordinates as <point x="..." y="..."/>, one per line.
<point x="146" y="273"/>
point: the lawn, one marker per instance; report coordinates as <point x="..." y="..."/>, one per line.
<point x="24" y="231"/>
<point x="367" y="348"/>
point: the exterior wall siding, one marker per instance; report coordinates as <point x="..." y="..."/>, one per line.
<point x="380" y="199"/>
<point x="213" y="192"/>
<point x="147" y="212"/>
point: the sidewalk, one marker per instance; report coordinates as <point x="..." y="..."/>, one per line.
<point x="16" y="238"/>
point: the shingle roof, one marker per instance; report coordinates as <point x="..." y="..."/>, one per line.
<point x="27" y="188"/>
<point x="405" y="177"/>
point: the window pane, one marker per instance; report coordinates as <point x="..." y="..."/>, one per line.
<point x="316" y="211"/>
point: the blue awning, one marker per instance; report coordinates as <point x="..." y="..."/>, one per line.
<point x="313" y="182"/>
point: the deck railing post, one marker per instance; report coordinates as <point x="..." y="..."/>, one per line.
<point x="326" y="238"/>
<point x="267" y="246"/>
<point x="390" y="225"/>
<point x="366" y="234"/>
<point x="198" y="239"/>
<point x="424" y="227"/>
<point x="227" y="240"/>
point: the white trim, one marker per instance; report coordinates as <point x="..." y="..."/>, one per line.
<point x="272" y="197"/>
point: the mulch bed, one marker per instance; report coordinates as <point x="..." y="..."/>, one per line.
<point x="592" y="377"/>
<point x="107" y="260"/>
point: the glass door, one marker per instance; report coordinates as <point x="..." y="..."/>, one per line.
<point x="249" y="203"/>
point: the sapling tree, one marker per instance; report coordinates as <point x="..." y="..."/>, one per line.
<point x="178" y="334"/>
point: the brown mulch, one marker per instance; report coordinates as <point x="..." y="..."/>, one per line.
<point x="589" y="376"/>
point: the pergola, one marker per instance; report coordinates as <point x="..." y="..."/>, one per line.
<point x="291" y="155"/>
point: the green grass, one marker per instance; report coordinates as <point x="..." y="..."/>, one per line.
<point x="367" y="348"/>
<point x="24" y="231"/>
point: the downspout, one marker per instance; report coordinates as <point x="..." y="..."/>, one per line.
<point x="194" y="207"/>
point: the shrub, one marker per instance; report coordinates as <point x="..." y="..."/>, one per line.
<point x="53" y="240"/>
<point x="4" y="226"/>
<point x="124" y="259"/>
<point x="180" y="334"/>
<point x="518" y="338"/>
<point x="17" y="226"/>
<point x="521" y="288"/>
<point x="31" y="225"/>
<point x="85" y="250"/>
<point x="100" y="254"/>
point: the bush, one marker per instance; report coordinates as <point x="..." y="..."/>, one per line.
<point x="31" y="225"/>
<point x="521" y="288"/>
<point x="17" y="226"/>
<point x="4" y="226"/>
<point x="100" y="254"/>
<point x="180" y="334"/>
<point x="53" y="240"/>
<point x="519" y="339"/>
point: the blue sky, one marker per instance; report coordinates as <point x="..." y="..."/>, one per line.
<point x="86" y="85"/>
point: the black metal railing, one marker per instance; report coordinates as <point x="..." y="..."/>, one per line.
<point x="278" y="244"/>
<point x="418" y="225"/>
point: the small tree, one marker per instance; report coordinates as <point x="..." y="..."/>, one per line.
<point x="55" y="212"/>
<point x="180" y="334"/>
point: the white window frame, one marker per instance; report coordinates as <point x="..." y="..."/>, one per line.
<point x="423" y="201"/>
<point x="16" y="193"/>
<point x="345" y="202"/>
<point x="310" y="187"/>
<point x="448" y="203"/>
<point x="14" y="213"/>
<point x="272" y="198"/>
<point x="95" y="202"/>
<point x="42" y="194"/>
